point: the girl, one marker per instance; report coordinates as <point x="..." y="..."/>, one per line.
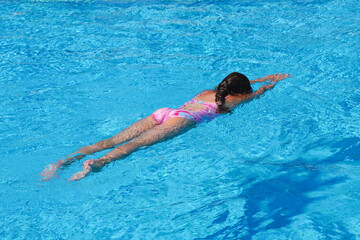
<point x="166" y="123"/>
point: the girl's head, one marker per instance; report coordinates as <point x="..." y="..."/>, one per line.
<point x="234" y="83"/>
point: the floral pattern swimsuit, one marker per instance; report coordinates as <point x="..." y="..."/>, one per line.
<point x="208" y="113"/>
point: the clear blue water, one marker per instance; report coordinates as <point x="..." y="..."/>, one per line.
<point x="285" y="166"/>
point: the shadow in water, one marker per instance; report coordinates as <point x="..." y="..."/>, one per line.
<point x="272" y="203"/>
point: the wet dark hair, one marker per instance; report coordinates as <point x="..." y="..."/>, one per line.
<point x="234" y="83"/>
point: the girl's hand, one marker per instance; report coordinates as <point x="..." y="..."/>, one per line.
<point x="87" y="168"/>
<point x="278" y="76"/>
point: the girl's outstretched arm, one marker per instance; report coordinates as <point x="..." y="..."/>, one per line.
<point x="272" y="78"/>
<point x="262" y="90"/>
<point x="250" y="97"/>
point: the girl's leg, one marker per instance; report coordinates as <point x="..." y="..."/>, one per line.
<point x="166" y="130"/>
<point x="132" y="131"/>
<point x="128" y="133"/>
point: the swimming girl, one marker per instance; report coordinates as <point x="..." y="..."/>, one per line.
<point x="166" y="123"/>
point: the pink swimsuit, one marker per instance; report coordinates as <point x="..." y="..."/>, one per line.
<point x="209" y="112"/>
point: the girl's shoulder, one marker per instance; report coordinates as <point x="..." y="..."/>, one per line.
<point x="206" y="95"/>
<point x="234" y="100"/>
<point x="207" y="91"/>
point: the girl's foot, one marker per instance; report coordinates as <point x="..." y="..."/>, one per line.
<point x="88" y="166"/>
<point x="51" y="170"/>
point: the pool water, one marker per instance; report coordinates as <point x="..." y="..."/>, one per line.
<point x="285" y="166"/>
